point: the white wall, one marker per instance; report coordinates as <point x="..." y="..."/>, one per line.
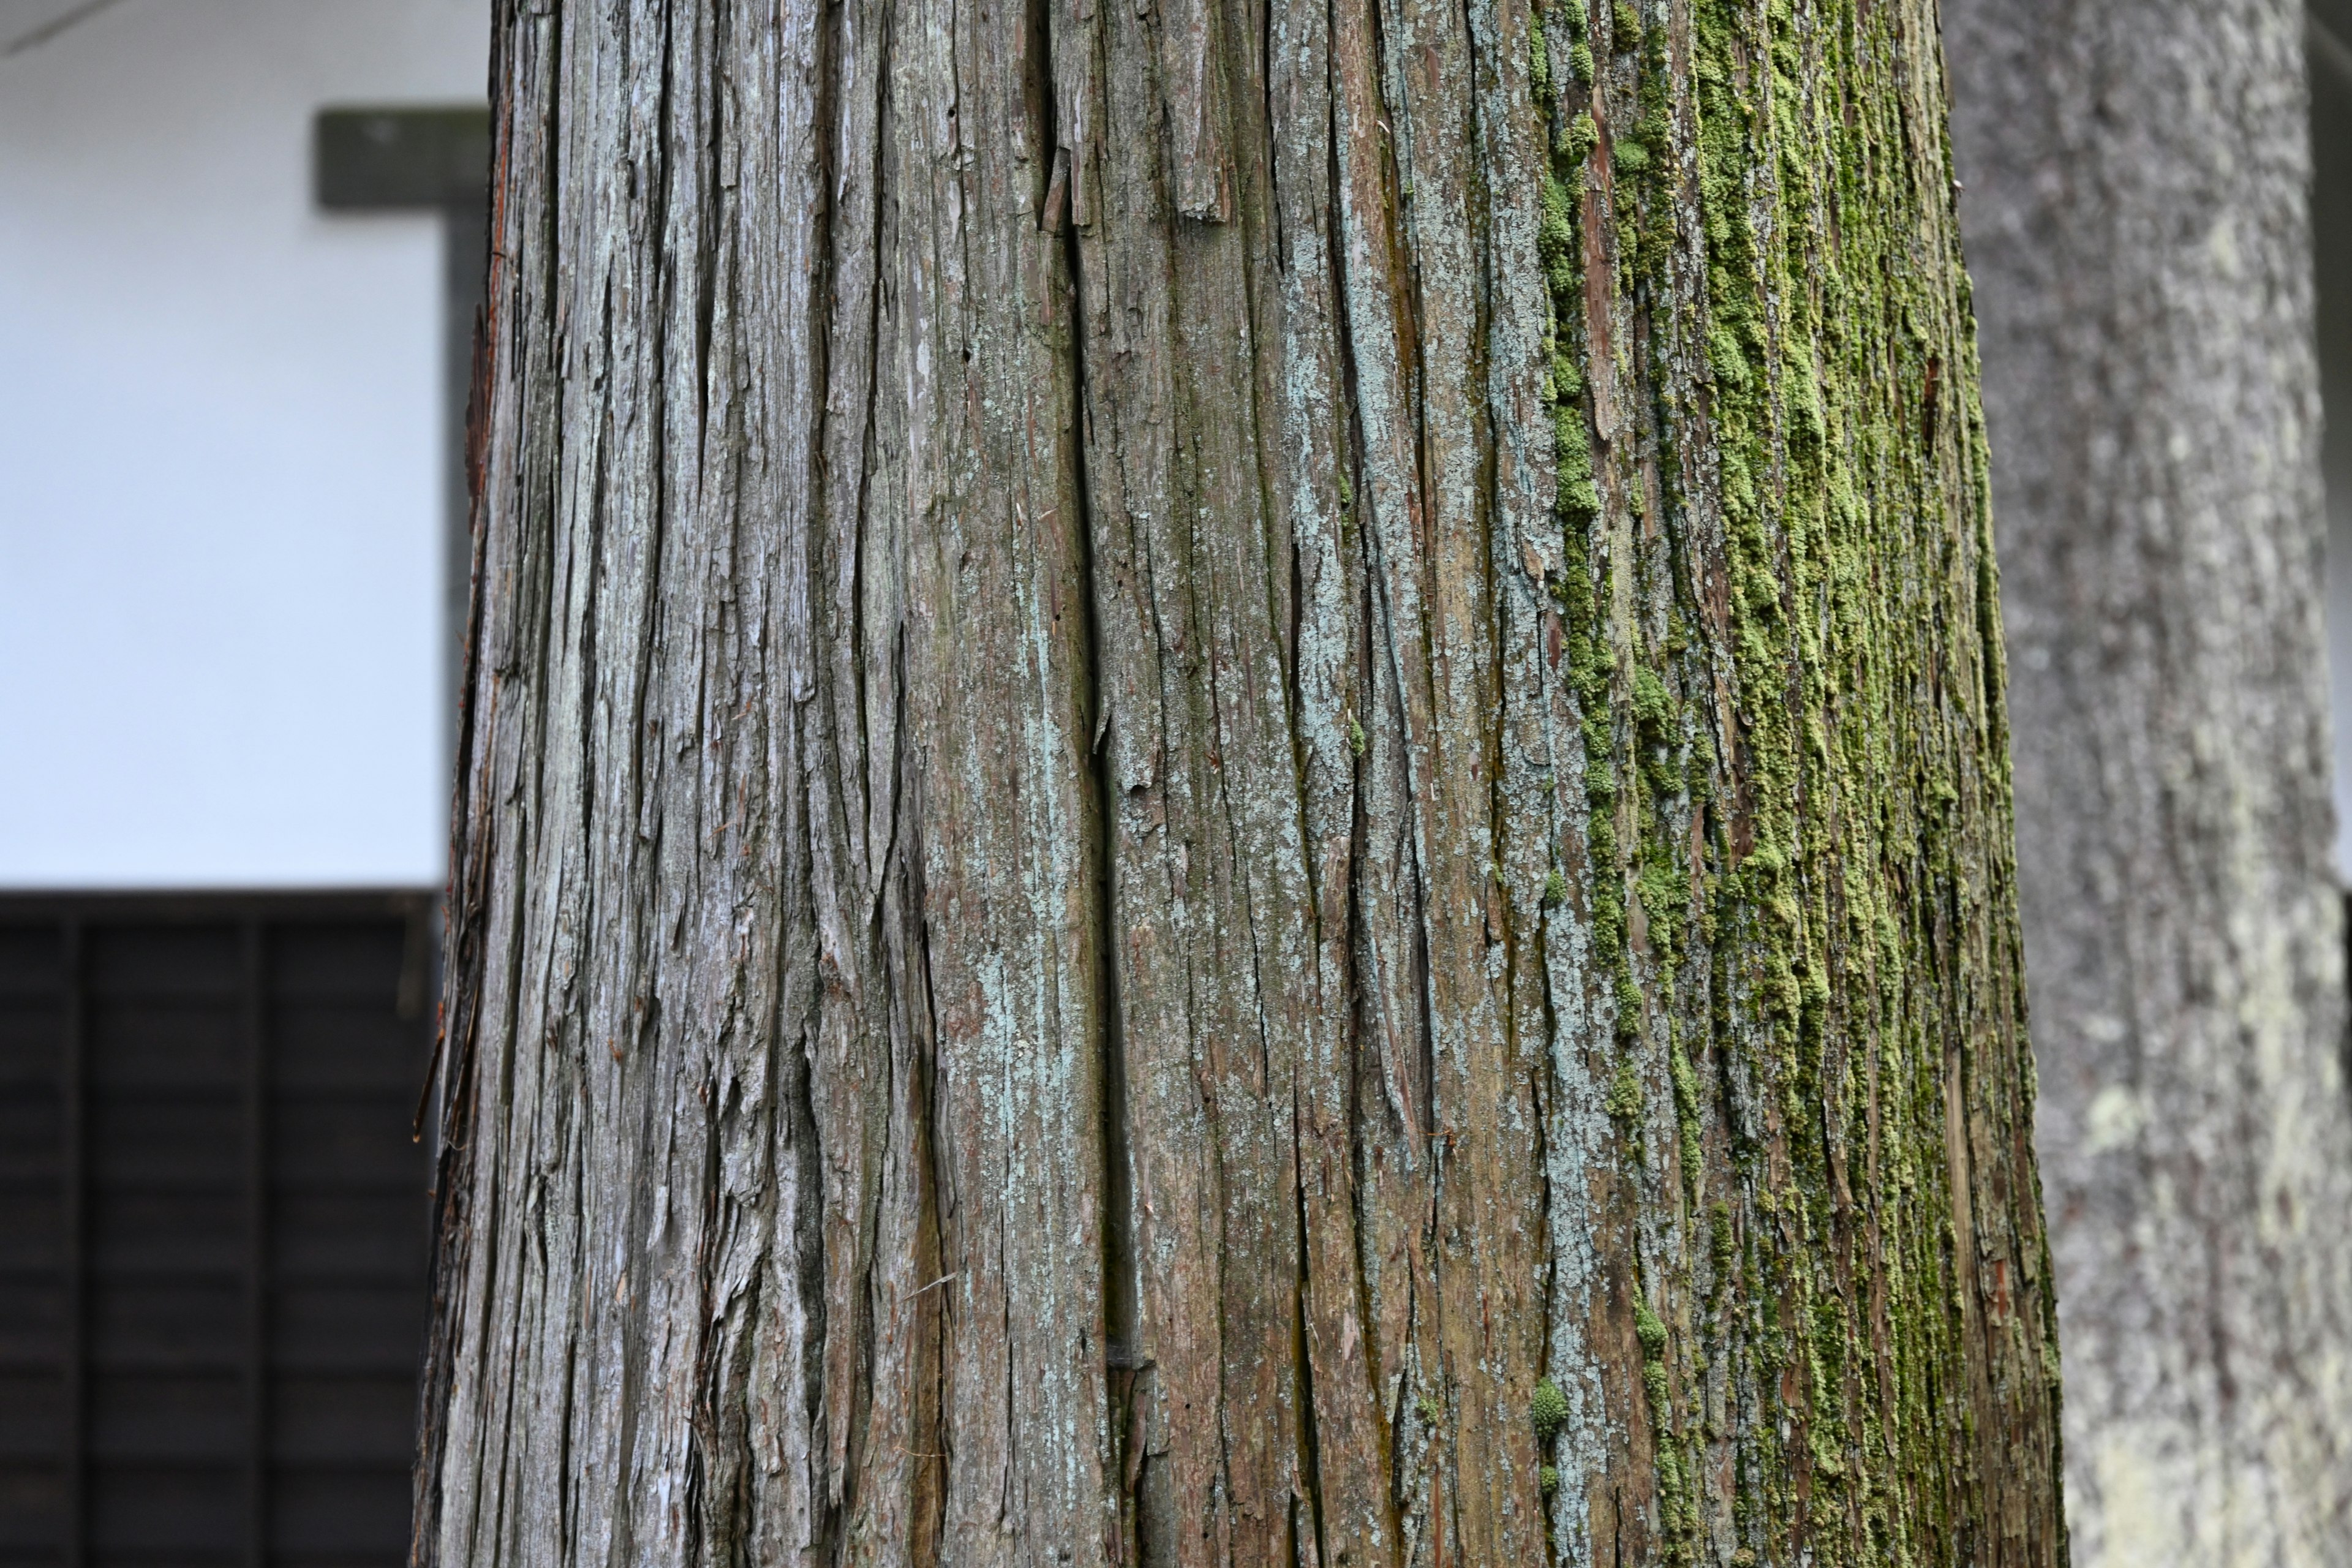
<point x="220" y="443"/>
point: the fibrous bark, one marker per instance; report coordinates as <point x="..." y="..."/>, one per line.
<point x="1235" y="793"/>
<point x="2138" y="226"/>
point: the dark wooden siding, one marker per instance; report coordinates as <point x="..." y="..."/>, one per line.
<point x="213" y="1228"/>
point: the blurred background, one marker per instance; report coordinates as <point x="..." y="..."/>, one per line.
<point x="240" y="255"/>
<point x="2328" y="40"/>
<point x="240" y="249"/>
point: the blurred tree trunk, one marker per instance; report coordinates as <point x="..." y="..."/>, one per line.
<point x="2136" y="222"/>
<point x="1234" y="792"/>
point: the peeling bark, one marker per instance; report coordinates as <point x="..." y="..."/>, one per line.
<point x="1234" y="792"/>
<point x="2138" y="220"/>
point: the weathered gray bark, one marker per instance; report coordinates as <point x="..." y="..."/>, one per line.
<point x="1235" y="793"/>
<point x="2137" y="223"/>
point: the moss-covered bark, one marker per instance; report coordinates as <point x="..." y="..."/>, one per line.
<point x="1235" y="792"/>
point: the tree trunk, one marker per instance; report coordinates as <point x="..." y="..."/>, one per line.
<point x="1234" y="792"/>
<point x="2136" y="202"/>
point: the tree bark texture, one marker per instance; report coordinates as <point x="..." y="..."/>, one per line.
<point x="2137" y="218"/>
<point x="1235" y="793"/>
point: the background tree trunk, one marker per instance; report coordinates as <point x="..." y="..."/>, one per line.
<point x="2136" y="220"/>
<point x="1235" y="793"/>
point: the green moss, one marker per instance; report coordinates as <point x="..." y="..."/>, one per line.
<point x="1627" y="26"/>
<point x="1556" y="237"/>
<point x="1608" y="919"/>
<point x="1582" y="137"/>
<point x="1654" y="705"/>
<point x="1686" y="1120"/>
<point x="1623" y="1102"/>
<point x="1629" y="1009"/>
<point x="1578" y="498"/>
<point x="1568" y="384"/>
<point x="1664" y="891"/>
<point x="1547" y="1410"/>
<point x="1650" y="1328"/>
<point x="1538" y="57"/>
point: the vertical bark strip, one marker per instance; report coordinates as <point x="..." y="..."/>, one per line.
<point x="2139" y="216"/>
<point x="1235" y="793"/>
